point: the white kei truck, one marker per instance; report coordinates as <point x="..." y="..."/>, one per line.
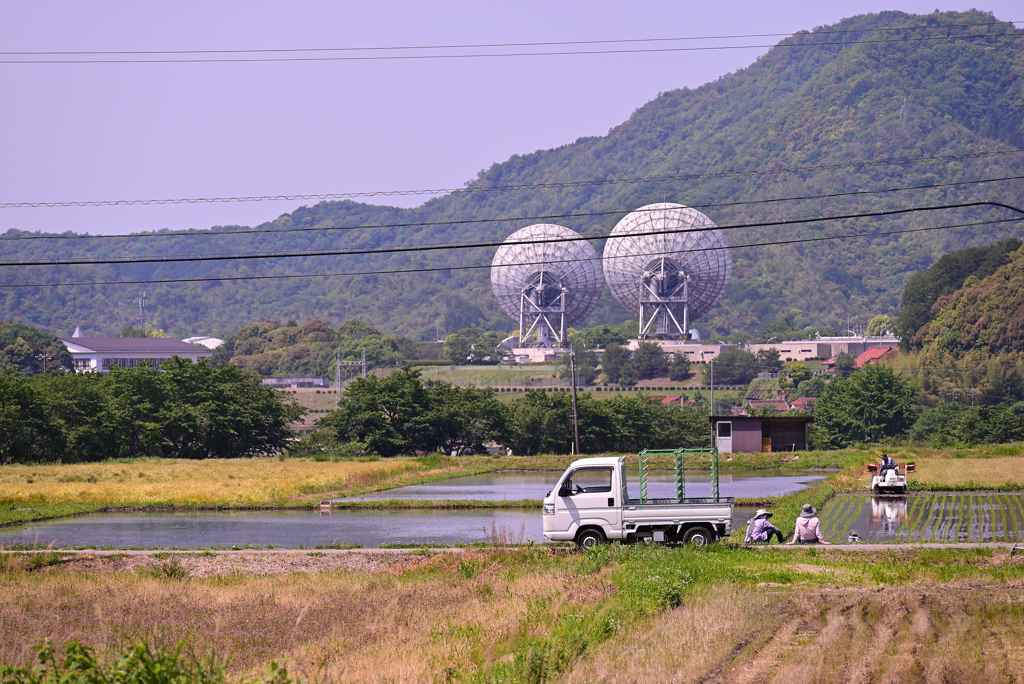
<point x="590" y="505"/>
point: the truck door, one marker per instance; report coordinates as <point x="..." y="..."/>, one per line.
<point x="724" y="428"/>
<point x="586" y="497"/>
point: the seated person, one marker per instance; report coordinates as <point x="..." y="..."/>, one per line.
<point x="759" y="530"/>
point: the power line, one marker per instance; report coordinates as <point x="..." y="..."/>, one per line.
<point x="543" y="217"/>
<point x="480" y="266"/>
<point x="400" y="249"/>
<point x="550" y="53"/>
<point x="492" y="45"/>
<point x="501" y="188"/>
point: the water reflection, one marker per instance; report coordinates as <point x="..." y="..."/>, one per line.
<point x="887" y="515"/>
<point x="519" y="486"/>
<point x="939" y="517"/>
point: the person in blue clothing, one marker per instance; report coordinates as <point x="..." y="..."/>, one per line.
<point x="759" y="530"/>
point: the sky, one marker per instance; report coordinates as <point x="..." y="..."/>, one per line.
<point x="88" y="132"/>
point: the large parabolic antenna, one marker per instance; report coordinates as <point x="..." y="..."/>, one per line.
<point x="546" y="286"/>
<point x="667" y="278"/>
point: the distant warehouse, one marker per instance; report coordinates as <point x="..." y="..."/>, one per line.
<point x="100" y="354"/>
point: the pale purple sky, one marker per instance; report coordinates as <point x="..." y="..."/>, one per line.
<point x="140" y="131"/>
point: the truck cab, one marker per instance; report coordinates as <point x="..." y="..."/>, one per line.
<point x="590" y="505"/>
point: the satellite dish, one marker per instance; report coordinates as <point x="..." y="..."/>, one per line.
<point x="546" y="286"/>
<point x="667" y="264"/>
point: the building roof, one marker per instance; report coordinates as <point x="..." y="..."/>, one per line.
<point x="872" y="355"/>
<point x="803" y="403"/>
<point x="131" y="345"/>
<point x="671" y="400"/>
<point x="777" y="403"/>
<point x="777" y="420"/>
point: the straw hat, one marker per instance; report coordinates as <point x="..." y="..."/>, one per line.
<point x="761" y="513"/>
<point x="808" y="511"/>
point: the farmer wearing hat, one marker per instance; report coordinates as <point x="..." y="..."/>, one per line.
<point x="759" y="530"/>
<point x="808" y="528"/>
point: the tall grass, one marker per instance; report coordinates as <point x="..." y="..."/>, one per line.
<point x="168" y="481"/>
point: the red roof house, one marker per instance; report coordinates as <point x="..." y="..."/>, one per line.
<point x="876" y="354"/>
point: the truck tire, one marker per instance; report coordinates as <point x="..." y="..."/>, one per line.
<point x="589" y="538"/>
<point x="699" y="536"/>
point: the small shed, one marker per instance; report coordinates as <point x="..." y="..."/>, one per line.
<point x="752" y="434"/>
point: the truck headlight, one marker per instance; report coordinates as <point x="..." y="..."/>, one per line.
<point x="549" y="509"/>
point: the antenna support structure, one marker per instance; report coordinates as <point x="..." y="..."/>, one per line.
<point x="664" y="287"/>
<point x="542" y="311"/>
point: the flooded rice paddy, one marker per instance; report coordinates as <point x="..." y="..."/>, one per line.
<point x="520" y="486"/>
<point x="927" y="517"/>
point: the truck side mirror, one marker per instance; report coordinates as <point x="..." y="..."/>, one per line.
<point x="564" y="490"/>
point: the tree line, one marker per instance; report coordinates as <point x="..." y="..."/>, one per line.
<point x="401" y="414"/>
<point x="177" y="410"/>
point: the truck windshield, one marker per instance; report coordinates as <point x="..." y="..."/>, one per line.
<point x="589" y="480"/>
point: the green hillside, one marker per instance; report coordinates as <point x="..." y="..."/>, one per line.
<point x="986" y="315"/>
<point x="837" y="103"/>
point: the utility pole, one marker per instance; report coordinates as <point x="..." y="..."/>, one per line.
<point x="337" y="380"/>
<point x="575" y="416"/>
<point x="364" y="362"/>
<point x="712" y="389"/>
<point x="142" y="310"/>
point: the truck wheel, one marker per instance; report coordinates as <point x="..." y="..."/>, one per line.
<point x="588" y="539"/>
<point x="698" y="536"/>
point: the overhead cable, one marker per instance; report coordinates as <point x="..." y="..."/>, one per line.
<point x="478" y="55"/>
<point x="503" y="188"/>
<point x="282" y="276"/>
<point x="496" y="45"/>
<point x="400" y="249"/>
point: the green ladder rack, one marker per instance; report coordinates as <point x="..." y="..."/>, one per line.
<point x="680" y="462"/>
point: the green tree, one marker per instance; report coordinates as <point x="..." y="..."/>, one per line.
<point x="845" y="363"/>
<point x="615" y="357"/>
<point x="679" y="367"/>
<point x="798" y="373"/>
<point x="463" y="420"/>
<point x="734" y="366"/>
<point x="649" y="361"/>
<point x="880" y="325"/>
<point x="391" y="415"/>
<point x="870" y="405"/>
<point x="768" y="360"/>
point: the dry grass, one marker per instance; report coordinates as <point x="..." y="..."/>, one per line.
<point x="410" y="620"/>
<point x="914" y="633"/>
<point x="988" y="472"/>
<point x="163" y="481"/>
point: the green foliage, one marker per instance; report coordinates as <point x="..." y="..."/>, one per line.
<point x="870" y="405"/>
<point x="954" y="425"/>
<point x="881" y="324"/>
<point x="613" y="361"/>
<point x="948" y="274"/>
<point x="541" y="422"/>
<point x="270" y="349"/>
<point x="179" y="410"/>
<point x="398" y="414"/>
<point x="649" y="361"/>
<point x="137" y="665"/>
<point x="845" y="363"/>
<point x="470" y="346"/>
<point x="798" y="373"/>
<point x="734" y="366"/>
<point x="679" y="367"/>
<point x="833" y="104"/>
<point x="26" y="349"/>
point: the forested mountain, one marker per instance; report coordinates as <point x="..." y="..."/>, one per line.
<point x="821" y="113"/>
<point x="985" y="315"/>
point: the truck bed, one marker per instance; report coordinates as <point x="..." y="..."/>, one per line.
<point x="673" y="512"/>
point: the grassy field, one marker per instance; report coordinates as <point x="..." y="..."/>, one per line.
<point x="614" y="614"/>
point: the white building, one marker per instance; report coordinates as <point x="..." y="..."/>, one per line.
<point x="100" y="354"/>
